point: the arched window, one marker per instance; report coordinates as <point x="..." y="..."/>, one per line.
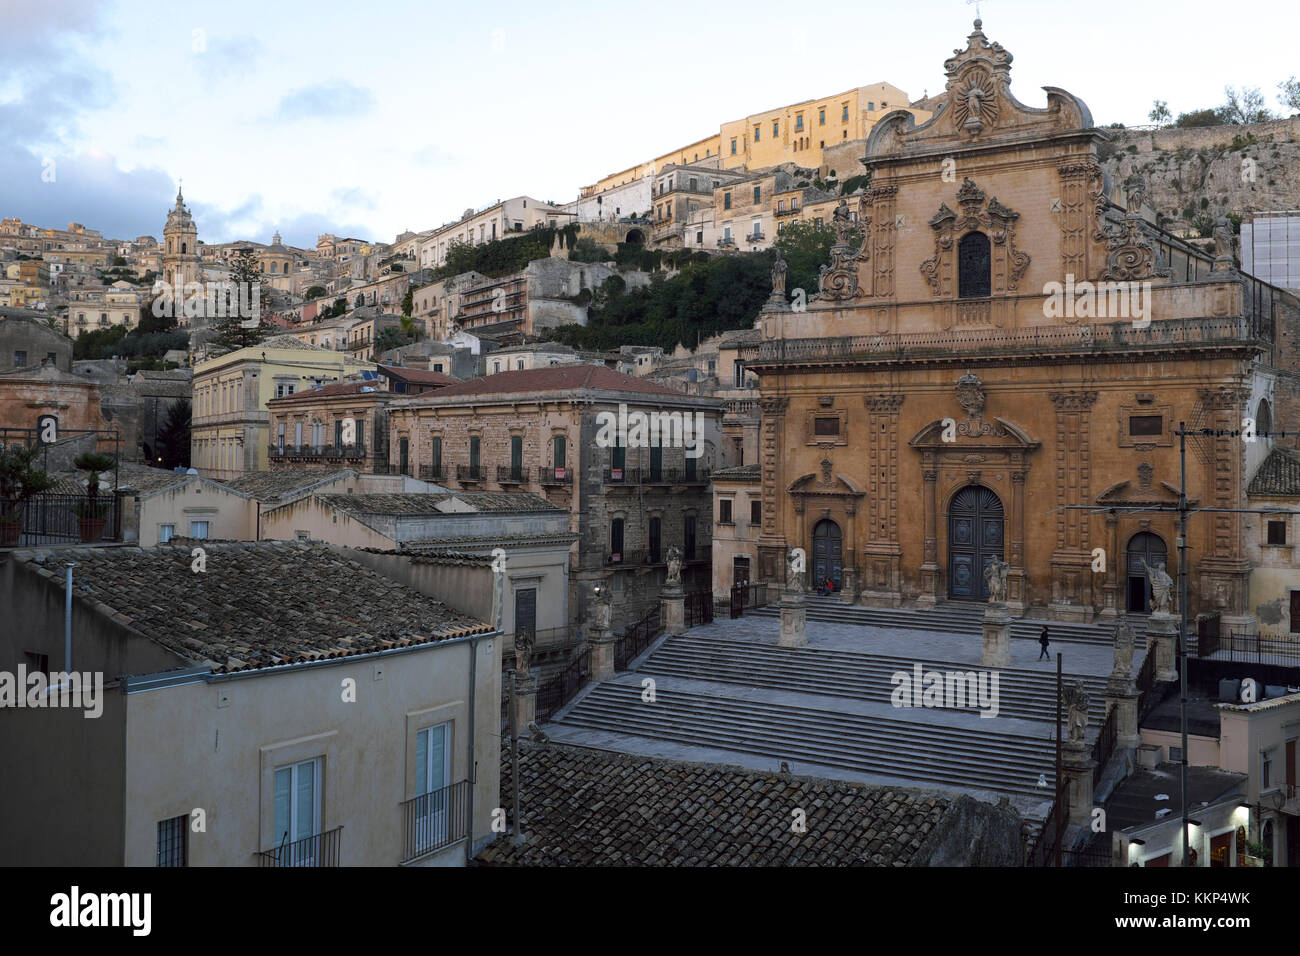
<point x="1263" y="417"/>
<point x="974" y="266"/>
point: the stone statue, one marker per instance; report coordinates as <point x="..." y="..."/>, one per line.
<point x="779" y="270"/>
<point x="793" y="578"/>
<point x="1222" y="238"/>
<point x="600" y="610"/>
<point x="842" y="222"/>
<point x="1136" y="190"/>
<point x="1076" y="700"/>
<point x="1162" y="587"/>
<point x="995" y="578"/>
<point x="523" y="651"/>
<point x="1123" y="649"/>
<point x="675" y="565"/>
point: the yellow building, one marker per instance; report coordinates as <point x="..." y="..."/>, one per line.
<point x="231" y="434"/>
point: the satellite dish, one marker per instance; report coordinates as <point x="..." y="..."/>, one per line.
<point x="191" y="471"/>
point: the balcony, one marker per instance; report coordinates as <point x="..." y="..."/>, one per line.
<point x="1033" y="343"/>
<point x="786" y="212"/>
<point x="656" y="476"/>
<point x="726" y="242"/>
<point x="555" y="476"/>
<point x="467" y="473"/>
<point x="509" y="475"/>
<point x="435" y="820"/>
<point x="433" y="472"/>
<point x="754" y="237"/>
<point x="313" y="452"/>
<point x="322" y="849"/>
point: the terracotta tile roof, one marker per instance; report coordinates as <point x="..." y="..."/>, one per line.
<point x="145" y="479"/>
<point x="595" y="808"/>
<point x="1279" y="475"/>
<point x="418" y="375"/>
<point x="276" y="485"/>
<point x="257" y="604"/>
<point x="553" y="378"/>
<point x="324" y="391"/>
<point x="417" y="503"/>
<point x="738" y="473"/>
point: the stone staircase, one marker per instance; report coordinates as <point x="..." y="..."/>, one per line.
<point x="1024" y="694"/>
<point x="920" y="753"/>
<point x="954" y="617"/>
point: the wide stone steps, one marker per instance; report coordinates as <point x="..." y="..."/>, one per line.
<point x="952" y="618"/>
<point x="1022" y="694"/>
<point x="904" y="750"/>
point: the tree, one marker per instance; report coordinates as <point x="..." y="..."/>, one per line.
<point x="174" y="436"/>
<point x="20" y="479"/>
<point x="1244" y="107"/>
<point x="150" y="323"/>
<point x="361" y="300"/>
<point x="340" y="306"/>
<point x="1160" y="114"/>
<point x="1198" y="118"/>
<point x="1290" y="90"/>
<point x="314" y="292"/>
<point x="389" y="338"/>
<point x="806" y="247"/>
<point x="231" y="332"/>
<point x="408" y="302"/>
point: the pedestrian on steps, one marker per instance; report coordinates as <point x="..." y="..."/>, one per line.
<point x="1043" y="642"/>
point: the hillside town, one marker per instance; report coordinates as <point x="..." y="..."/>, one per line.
<point x="881" y="479"/>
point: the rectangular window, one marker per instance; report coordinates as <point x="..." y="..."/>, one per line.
<point x="279" y="437"/>
<point x="473" y="452"/>
<point x="692" y="184"/>
<point x="36" y="661"/>
<point x="726" y="200"/>
<point x="724" y="511"/>
<point x="297" y="808"/>
<point x="733" y="146"/>
<point x="198" y="529"/>
<point x="338" y="433"/>
<point x="821" y="117"/>
<point x="738" y="373"/>
<point x="616" y="539"/>
<point x="361" y="432"/>
<point x="755" y="512"/>
<point x="166" y="532"/>
<point x="871" y="107"/>
<point x="437" y="455"/>
<point x="758" y="192"/>
<point x="826" y="426"/>
<point x="432" y="759"/>
<point x="776" y="129"/>
<point x="688" y="537"/>
<point x="798" y="123"/>
<point x="758" y="130"/>
<point x="726" y="233"/>
<point x="516" y="457"/>
<point x="656" y="462"/>
<point x="655" y="539"/>
<point x="173" y="841"/>
<point x="844" y="117"/>
<point x="20" y="358"/>
<point x="1146" y="424"/>
<point x="560" y="449"/>
<point x="1277" y="532"/>
<point x="617" y="458"/>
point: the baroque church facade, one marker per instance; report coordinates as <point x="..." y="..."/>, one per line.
<point x="937" y="404"/>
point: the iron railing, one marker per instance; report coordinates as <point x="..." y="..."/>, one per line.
<point x="469" y="473"/>
<point x="555" y="476"/>
<point x="1104" y="745"/>
<point x="1032" y="340"/>
<point x="656" y="476"/>
<point x="1253" y="647"/>
<point x="59" y="519"/>
<point x="432" y="473"/>
<point x="748" y="597"/>
<point x="554" y="693"/>
<point x="699" y="608"/>
<point x="636" y="639"/>
<point x="277" y="450"/>
<point x="321" y="849"/>
<point x="435" y="820"/>
<point x="1146" y="681"/>
<point x="509" y="475"/>
<point x="1046" y="850"/>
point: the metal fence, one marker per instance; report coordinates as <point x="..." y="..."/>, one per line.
<point x="1252" y="647"/>
<point x="1046" y="850"/>
<point x="636" y="639"/>
<point x="560" y="689"/>
<point x="699" y="608"/>
<point x="435" y="819"/>
<point x="60" y="519"/>
<point x="321" y="849"/>
<point x="748" y="597"/>
<point x="1104" y="745"/>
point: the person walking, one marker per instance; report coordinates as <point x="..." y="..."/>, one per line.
<point x="1043" y="642"/>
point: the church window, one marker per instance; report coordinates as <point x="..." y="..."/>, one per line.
<point x="974" y="266"/>
<point x="1146" y="424"/>
<point x="826" y="426"/>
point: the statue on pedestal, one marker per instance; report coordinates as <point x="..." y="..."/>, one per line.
<point x="1076" y="700"/>
<point x="995" y="578"/>
<point x="1123" y="649"/>
<point x="600" y="610"/>
<point x="779" y="271"/>
<point x="674" y="566"/>
<point x="523" y="651"/>
<point x="1162" y="587"/>
<point x="794" y="565"/>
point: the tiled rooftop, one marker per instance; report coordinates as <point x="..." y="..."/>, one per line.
<point x="273" y="485"/>
<point x="416" y="503"/>
<point x="257" y="605"/>
<point x="1279" y="475"/>
<point x="419" y="376"/>
<point x="738" y="473"/>
<point x="325" y="391"/>
<point x="594" y="808"/>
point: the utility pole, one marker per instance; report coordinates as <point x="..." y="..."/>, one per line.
<point x="514" y="760"/>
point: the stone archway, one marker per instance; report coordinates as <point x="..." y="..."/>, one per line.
<point x="1146" y="548"/>
<point x="827" y="554"/>
<point x="975" y="536"/>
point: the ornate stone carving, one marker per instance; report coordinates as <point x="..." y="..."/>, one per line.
<point x="995" y="220"/>
<point x="970" y="395"/>
<point x="1123" y="649"/>
<point x="995" y="579"/>
<point x="826" y="466"/>
<point x="1076" y="699"/>
<point x="773" y="405"/>
<point x="1162" y="587"/>
<point x="674" y="565"/>
<point x="1145" y="471"/>
<point x="1131" y="255"/>
<point x="1222" y="240"/>
<point x="779" y="271"/>
<point x="838" y="281"/>
<point x="975" y="103"/>
<point x="523" y="651"/>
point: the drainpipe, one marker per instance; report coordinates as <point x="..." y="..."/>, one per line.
<point x="67" y="617"/>
<point x="469" y="756"/>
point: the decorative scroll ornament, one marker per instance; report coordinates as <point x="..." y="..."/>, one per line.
<point x="994" y="219"/>
<point x="1130" y="253"/>
<point x="970" y="395"/>
<point x="826" y="466"/>
<point x="975" y="104"/>
<point x="838" y="281"/>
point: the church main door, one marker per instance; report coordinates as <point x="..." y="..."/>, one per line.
<point x="1143" y="547"/>
<point x="974" y="537"/>
<point x="828" y="559"/>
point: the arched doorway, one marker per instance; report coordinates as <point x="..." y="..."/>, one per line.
<point x="1143" y="548"/>
<point x="828" y="555"/>
<point x="974" y="537"/>
<point x="635" y="237"/>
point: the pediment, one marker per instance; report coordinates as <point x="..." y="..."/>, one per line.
<point x="973" y="433"/>
<point x="1128" y="495"/>
<point x="832" y="483"/>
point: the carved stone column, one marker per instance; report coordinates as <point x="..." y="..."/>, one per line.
<point x="1110" y="590"/>
<point x="1077" y="765"/>
<point x="849" y="577"/>
<point x="1121" y="691"/>
<point x="601" y="644"/>
<point x="1017" y="579"/>
<point x="880" y="574"/>
<point x="525" y="702"/>
<point x="930" y="565"/>
<point x="1072" y="560"/>
<point x="771" y="540"/>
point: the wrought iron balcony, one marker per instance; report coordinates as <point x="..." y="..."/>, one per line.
<point x="786" y="212"/>
<point x="321" y="849"/>
<point x="726" y="243"/>
<point x="435" y="820"/>
<point x="433" y="473"/>
<point x="466" y="473"/>
<point x="754" y="237"/>
<point x="317" y="451"/>
<point x="656" y="476"/>
<point x="509" y="475"/>
<point x="555" y="476"/>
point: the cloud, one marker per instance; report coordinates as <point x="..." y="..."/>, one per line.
<point x="352" y="196"/>
<point x="434" y="156"/>
<point x="224" y="58"/>
<point x="325" y="101"/>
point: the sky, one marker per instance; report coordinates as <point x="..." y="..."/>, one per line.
<point x="368" y="120"/>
